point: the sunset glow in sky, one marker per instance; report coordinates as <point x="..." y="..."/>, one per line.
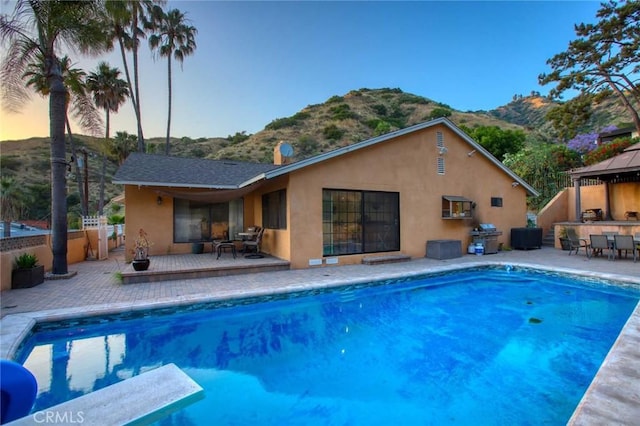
<point x="259" y="61"/>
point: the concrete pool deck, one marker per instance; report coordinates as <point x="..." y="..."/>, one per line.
<point x="612" y="398"/>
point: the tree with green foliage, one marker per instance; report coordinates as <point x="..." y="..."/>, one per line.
<point x="569" y="117"/>
<point x="109" y="92"/>
<point x="497" y="141"/>
<point x="42" y="27"/>
<point x="603" y="59"/>
<point x="608" y="150"/>
<point x="11" y="203"/>
<point x="238" y="137"/>
<point x="172" y="36"/>
<point x="122" y="145"/>
<point x="439" y="112"/>
<point x="543" y="166"/>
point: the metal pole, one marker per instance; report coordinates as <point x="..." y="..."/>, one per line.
<point x="86" y="180"/>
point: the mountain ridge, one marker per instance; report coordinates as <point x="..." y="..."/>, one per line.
<point x="339" y="121"/>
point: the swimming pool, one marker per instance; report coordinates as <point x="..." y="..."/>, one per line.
<point x="517" y="347"/>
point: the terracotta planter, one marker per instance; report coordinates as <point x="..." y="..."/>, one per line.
<point x="140" y="264"/>
<point x="27" y="278"/>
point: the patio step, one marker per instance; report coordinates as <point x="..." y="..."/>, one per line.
<point x="134" y="277"/>
<point x="549" y="239"/>
<point x="389" y="258"/>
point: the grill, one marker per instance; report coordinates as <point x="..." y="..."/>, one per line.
<point x="487" y="235"/>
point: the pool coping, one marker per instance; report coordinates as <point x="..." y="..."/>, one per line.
<point x="612" y="396"/>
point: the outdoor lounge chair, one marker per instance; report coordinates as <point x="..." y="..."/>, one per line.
<point x="626" y="243"/>
<point x="575" y="242"/>
<point x="253" y="245"/>
<point x="599" y="243"/>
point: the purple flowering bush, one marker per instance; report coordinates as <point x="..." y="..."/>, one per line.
<point x="586" y="142"/>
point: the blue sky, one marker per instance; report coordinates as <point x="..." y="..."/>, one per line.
<point x="258" y="61"/>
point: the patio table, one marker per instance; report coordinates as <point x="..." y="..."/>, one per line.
<point x="612" y="243"/>
<point x="247" y="235"/>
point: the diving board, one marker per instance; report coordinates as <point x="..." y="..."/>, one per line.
<point x="142" y="399"/>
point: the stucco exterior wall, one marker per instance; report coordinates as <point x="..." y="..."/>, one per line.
<point x="276" y="242"/>
<point x="623" y="197"/>
<point x="406" y="165"/>
<point x="143" y="212"/>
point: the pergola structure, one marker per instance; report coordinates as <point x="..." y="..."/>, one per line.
<point x="624" y="167"/>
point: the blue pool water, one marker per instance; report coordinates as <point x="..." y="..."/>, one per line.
<point x="483" y="346"/>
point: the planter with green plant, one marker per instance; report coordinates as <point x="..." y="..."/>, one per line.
<point x="27" y="273"/>
<point x="564" y="239"/>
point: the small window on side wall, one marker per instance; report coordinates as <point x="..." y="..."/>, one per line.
<point x="496" y="201"/>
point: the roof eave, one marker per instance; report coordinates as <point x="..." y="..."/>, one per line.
<point x="580" y="174"/>
<point x="443" y="120"/>
<point x="173" y="184"/>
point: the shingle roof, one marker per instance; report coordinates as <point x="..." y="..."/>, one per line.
<point x="626" y="162"/>
<point x="162" y="170"/>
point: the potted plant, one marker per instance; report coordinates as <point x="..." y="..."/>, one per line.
<point x="27" y="273"/>
<point x="564" y="239"/>
<point x="141" y="251"/>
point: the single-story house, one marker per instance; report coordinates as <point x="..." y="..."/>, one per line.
<point x="385" y="195"/>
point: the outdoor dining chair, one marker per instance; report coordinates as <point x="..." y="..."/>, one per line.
<point x="626" y="243"/>
<point x="599" y="243"/>
<point x="576" y="243"/>
<point x="253" y="244"/>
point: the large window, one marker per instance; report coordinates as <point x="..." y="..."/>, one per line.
<point x="196" y="221"/>
<point x="360" y="221"/>
<point x="274" y="210"/>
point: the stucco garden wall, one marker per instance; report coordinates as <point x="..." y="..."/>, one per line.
<point x="40" y="246"/>
<point x="623" y="197"/>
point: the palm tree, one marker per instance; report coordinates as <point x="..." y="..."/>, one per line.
<point x="11" y="203"/>
<point x="123" y="144"/>
<point x="173" y="37"/>
<point x="82" y="107"/>
<point x="43" y="27"/>
<point x="109" y="92"/>
<point x="128" y="19"/>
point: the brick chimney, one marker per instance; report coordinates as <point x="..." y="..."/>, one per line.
<point x="279" y="159"/>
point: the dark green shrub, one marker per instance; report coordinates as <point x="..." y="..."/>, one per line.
<point x="306" y="146"/>
<point x="197" y="152"/>
<point x="380" y="109"/>
<point x="26" y="261"/>
<point x="10" y="163"/>
<point x="382" y="128"/>
<point x="439" y="112"/>
<point x="280" y="123"/>
<point x="341" y="112"/>
<point x="332" y="132"/>
<point x="238" y="137"/>
<point x="373" y="123"/>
